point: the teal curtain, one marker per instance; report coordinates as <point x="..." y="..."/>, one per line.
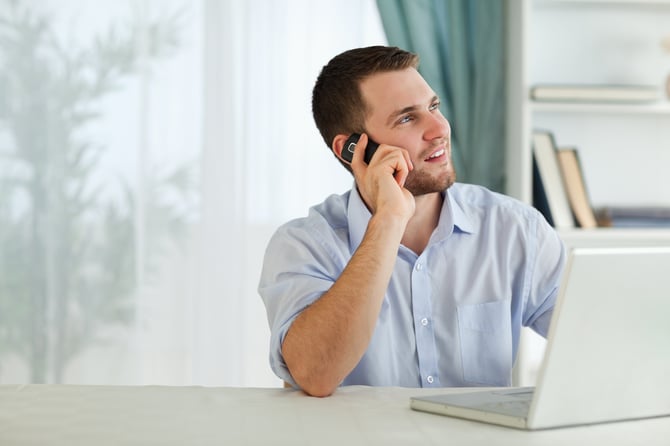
<point x="461" y="46"/>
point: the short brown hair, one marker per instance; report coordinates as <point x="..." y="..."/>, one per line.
<point x="337" y="104"/>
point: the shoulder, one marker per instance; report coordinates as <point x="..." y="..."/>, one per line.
<point x="325" y="223"/>
<point x="316" y="245"/>
<point x="331" y="213"/>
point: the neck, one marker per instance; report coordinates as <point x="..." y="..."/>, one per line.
<point x="424" y="221"/>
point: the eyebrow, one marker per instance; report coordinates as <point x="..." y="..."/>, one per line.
<point x="407" y="109"/>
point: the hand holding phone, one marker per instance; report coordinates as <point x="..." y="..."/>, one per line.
<point x="350" y="145"/>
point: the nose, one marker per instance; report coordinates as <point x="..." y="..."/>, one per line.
<point x="437" y="127"/>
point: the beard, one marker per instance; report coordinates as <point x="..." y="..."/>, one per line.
<point x="421" y="182"/>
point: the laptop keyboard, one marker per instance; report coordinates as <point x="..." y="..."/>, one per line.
<point x="515" y="404"/>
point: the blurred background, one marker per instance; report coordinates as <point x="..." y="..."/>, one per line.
<point x="148" y="150"/>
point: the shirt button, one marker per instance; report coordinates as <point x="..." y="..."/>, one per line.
<point x="419" y="266"/>
<point x="424" y="321"/>
<point x="430" y="379"/>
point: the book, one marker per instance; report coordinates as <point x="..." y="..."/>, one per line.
<point x="549" y="192"/>
<point x="575" y="185"/>
<point x="596" y="93"/>
<point x="634" y="216"/>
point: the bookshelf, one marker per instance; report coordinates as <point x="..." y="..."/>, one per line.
<point x="661" y="108"/>
<point x="624" y="148"/>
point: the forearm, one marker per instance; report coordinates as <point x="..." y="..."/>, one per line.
<point x="329" y="338"/>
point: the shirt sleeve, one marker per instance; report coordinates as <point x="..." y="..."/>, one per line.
<point x="546" y="271"/>
<point x="299" y="267"/>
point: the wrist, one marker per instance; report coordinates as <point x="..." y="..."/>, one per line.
<point x="388" y="221"/>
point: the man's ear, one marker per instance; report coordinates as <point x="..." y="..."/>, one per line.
<point x="338" y="145"/>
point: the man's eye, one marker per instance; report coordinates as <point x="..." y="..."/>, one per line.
<point x="435" y="106"/>
<point x="405" y="119"/>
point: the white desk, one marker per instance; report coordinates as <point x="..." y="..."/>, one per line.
<point x="101" y="415"/>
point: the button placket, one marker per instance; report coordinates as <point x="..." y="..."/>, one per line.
<point x="423" y="330"/>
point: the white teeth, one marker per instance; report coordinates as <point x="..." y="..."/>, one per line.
<point x="436" y="154"/>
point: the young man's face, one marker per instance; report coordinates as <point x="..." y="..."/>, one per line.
<point x="404" y="112"/>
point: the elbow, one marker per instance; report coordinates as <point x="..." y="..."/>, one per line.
<point x="319" y="391"/>
<point x="313" y="374"/>
<point x="313" y="385"/>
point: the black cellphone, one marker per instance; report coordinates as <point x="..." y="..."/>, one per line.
<point x="350" y="144"/>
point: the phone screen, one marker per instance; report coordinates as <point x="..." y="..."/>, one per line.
<point x="350" y="144"/>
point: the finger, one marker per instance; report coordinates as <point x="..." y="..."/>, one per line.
<point x="402" y="168"/>
<point x="400" y="177"/>
<point x="358" y="157"/>
<point x="408" y="160"/>
<point x="401" y="174"/>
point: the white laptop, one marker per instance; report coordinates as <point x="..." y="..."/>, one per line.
<point x="608" y="349"/>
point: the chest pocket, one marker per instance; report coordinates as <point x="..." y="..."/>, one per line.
<point x="486" y="342"/>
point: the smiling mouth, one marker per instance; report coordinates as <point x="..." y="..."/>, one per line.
<point x="435" y="155"/>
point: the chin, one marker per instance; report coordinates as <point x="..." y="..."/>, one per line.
<point x="422" y="184"/>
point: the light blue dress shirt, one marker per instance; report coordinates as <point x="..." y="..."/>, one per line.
<point x="451" y="316"/>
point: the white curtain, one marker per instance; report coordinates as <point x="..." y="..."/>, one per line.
<point x="148" y="150"/>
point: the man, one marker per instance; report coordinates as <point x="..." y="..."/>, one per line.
<point x="409" y="279"/>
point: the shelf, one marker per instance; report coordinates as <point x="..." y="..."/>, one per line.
<point x="633" y="3"/>
<point x="656" y="108"/>
<point x="616" y="237"/>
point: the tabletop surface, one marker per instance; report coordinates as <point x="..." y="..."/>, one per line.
<point x="357" y="415"/>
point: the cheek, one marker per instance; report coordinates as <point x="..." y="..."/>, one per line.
<point x="416" y="144"/>
<point x="409" y="143"/>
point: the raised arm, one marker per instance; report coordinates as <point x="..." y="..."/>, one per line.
<point x="328" y="338"/>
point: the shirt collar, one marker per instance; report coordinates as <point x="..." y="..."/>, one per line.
<point x="452" y="217"/>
